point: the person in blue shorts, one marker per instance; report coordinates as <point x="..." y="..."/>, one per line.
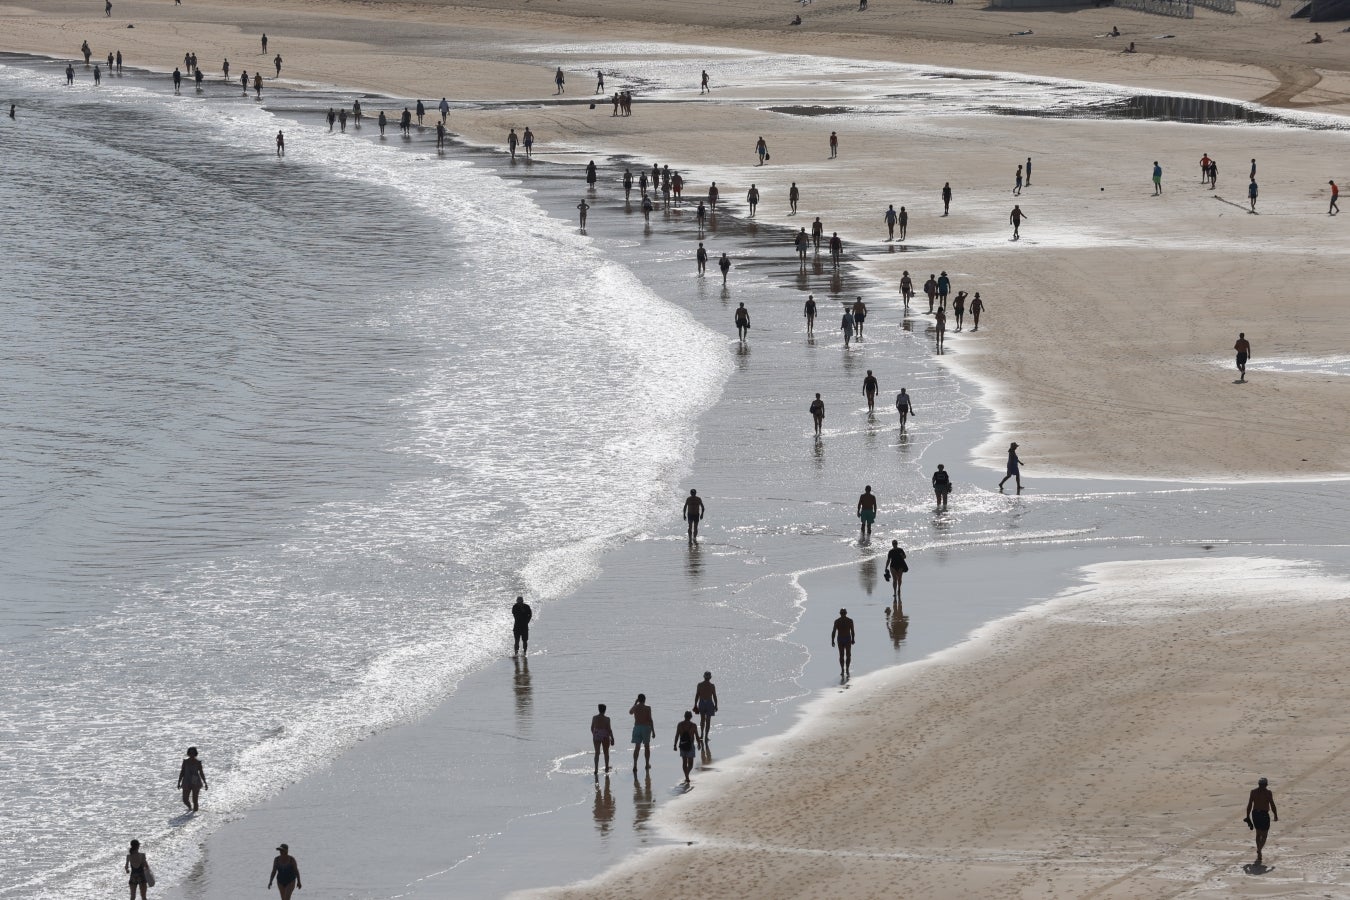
<point x="686" y="737"/>
<point x="867" y="510"/>
<point x="644" y="729"/>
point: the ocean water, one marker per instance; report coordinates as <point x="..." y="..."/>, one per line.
<point x="283" y="439"/>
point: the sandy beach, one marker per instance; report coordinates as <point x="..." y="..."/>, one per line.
<point x="1108" y="305"/>
<point x="1100" y="744"/>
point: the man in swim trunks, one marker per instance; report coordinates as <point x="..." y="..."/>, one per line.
<point x="693" y="512"/>
<point x="742" y="322"/>
<point x="702" y="257"/>
<point x="686" y="737"/>
<point x="1260" y="807"/>
<point x="1244" y="353"/>
<point x="705" y="702"/>
<point x="522" y="614"/>
<point x="810" y="312"/>
<point x="870" y="391"/>
<point x="859" y="316"/>
<point x="602" y="736"/>
<point x="643" y="729"/>
<point x="842" y="636"/>
<point x="725" y="265"/>
<point x="1157" y="178"/>
<point x="867" y="510"/>
<point x="818" y="412"/>
<point x="817" y="232"/>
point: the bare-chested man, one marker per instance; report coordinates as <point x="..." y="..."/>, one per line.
<point x="602" y="735"/>
<point x="867" y="510"/>
<point x="705" y="702"/>
<point x="693" y="512"/>
<point x="1260" y="809"/>
<point x="644" y="729"/>
<point x="686" y="736"/>
<point x="842" y="636"/>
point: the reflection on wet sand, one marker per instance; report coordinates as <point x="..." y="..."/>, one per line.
<point x="604" y="806"/>
<point x="867" y="574"/>
<point x="524" y="696"/>
<point x="897" y="623"/>
<point x="693" y="566"/>
<point x="643" y="802"/>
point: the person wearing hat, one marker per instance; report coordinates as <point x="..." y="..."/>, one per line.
<point x="1014" y="467"/>
<point x="286" y="872"/>
<point x="1260" y="808"/>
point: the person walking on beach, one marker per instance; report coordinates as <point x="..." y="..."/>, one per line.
<point x="644" y="729"/>
<point x="818" y="412"/>
<point x="705" y="703"/>
<point x="1204" y="168"/>
<point x="944" y="286"/>
<point x="1028" y="182"/>
<point x="701" y="217"/>
<point x="559" y="81"/>
<point x="809" y="310"/>
<point x="976" y="307"/>
<point x="803" y="243"/>
<point x="383" y="121"/>
<point x="959" y="308"/>
<point x="445" y="110"/>
<point x="836" y="249"/>
<point x="1333" y="209"/>
<point x="1252" y="173"/>
<point x="528" y="141"/>
<point x="521" y="614"/>
<point x="713" y="194"/>
<point x="793" y="196"/>
<point x="286" y="872"/>
<point x="817" y="233"/>
<point x="511" y="140"/>
<point x="693" y="513"/>
<point x="119" y="66"/>
<point x="842" y="636"/>
<point x="896" y="567"/>
<point x="592" y="175"/>
<point x="602" y="738"/>
<point x="859" y="317"/>
<point x="906" y="287"/>
<point x="70" y="73"/>
<point x="178" y="80"/>
<point x="583" y="207"/>
<point x="627" y="183"/>
<point x="257" y="84"/>
<point x="870" y="391"/>
<point x="867" y="511"/>
<point x="761" y="150"/>
<point x="138" y="869"/>
<point x="940" y="328"/>
<point x="332" y="119"/>
<point x="405" y="122"/>
<point x="1017" y="185"/>
<point x="752" y="197"/>
<point x="846" y="325"/>
<point x="904" y="405"/>
<point x="1014" y="470"/>
<point x="191" y="779"/>
<point x="1213" y="174"/>
<point x="421" y="109"/>
<point x="686" y="737"/>
<point x="903" y="223"/>
<point x="725" y="265"/>
<point x="647" y="207"/>
<point x="891" y="218"/>
<point x="1251" y="194"/>
<point x="946" y="197"/>
<point x="264" y="43"/>
<point x="703" y="87"/>
<point x="440" y="142"/>
<point x="1015" y="220"/>
<point x="930" y="288"/>
<point x="87" y="52"/>
<point x="98" y="76"/>
<point x="702" y="257"/>
<point x="107" y="9"/>
<point x="1260" y="808"/>
<point x="1157" y="179"/>
<point x="942" y="486"/>
<point x="742" y="322"/>
<point x="356" y="112"/>
<point x="834" y="144"/>
<point x="1244" y="353"/>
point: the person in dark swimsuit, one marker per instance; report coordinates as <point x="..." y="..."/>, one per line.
<point x="686" y="738"/>
<point x="602" y="736"/>
<point x="285" y="872"/>
<point x="842" y="635"/>
<point x="522" y="614"/>
<point x="191" y="779"/>
<point x="705" y="701"/>
<point x="138" y="869"/>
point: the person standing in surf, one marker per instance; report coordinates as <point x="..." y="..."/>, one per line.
<point x="602" y="736"/>
<point x="705" y="702"/>
<point x="191" y="779"/>
<point x="867" y="510"/>
<point x="521" y="614"/>
<point x="693" y="512"/>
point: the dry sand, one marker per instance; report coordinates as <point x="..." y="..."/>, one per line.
<point x="1101" y="745"/>
<point x="1106" y="347"/>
